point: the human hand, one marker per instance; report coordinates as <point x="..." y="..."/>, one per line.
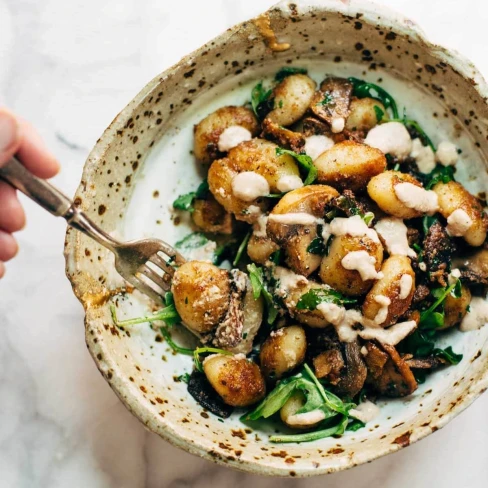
<point x="18" y="137"/>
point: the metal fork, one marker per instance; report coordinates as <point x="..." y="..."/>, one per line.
<point x="147" y="264"/>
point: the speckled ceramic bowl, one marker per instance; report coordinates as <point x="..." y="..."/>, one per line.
<point x="136" y="169"/>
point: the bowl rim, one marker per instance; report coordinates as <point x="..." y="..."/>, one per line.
<point x="370" y="13"/>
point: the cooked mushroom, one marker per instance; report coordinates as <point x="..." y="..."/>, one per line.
<point x="474" y="268"/>
<point x="438" y="250"/>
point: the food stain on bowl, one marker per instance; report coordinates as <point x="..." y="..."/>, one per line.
<point x="346" y="76"/>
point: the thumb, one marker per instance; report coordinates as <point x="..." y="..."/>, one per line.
<point x="10" y="137"/>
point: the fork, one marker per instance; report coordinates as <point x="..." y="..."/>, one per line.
<point x="147" y="264"/>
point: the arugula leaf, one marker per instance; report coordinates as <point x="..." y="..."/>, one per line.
<point x="379" y="113"/>
<point x="205" y="351"/>
<point x="289" y="70"/>
<point x="440" y="173"/>
<point x="256" y="275"/>
<point x="169" y="340"/>
<point x="317" y="246"/>
<point x="415" y="126"/>
<point x="363" y="89"/>
<point x="427" y="223"/>
<point x="276" y="257"/>
<point x="259" y="96"/>
<point x="304" y="161"/>
<point x="241" y="249"/>
<point x="448" y="354"/>
<point x="433" y="318"/>
<point x="167" y="314"/>
<point x="187" y="200"/>
<point x="355" y="424"/>
<point x="184" y="378"/>
<point x="316" y="296"/>
<point x="192" y="241"/>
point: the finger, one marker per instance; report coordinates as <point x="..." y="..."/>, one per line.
<point x="12" y="216"/>
<point x="8" y="246"/>
<point x="10" y="135"/>
<point x="2" y="269"/>
<point x="34" y="154"/>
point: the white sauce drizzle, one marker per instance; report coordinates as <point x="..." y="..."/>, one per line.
<point x="406" y="282"/>
<point x="317" y="144"/>
<point x="458" y="223"/>
<point x="365" y="412"/>
<point x="289" y="183"/>
<point x="353" y="226"/>
<point x="232" y="136"/>
<point x="422" y="266"/>
<point x="337" y="125"/>
<point x="394" y="234"/>
<point x="417" y="198"/>
<point x="288" y="281"/>
<point x="446" y="153"/>
<point x="423" y="155"/>
<point x="299" y="218"/>
<point x="305" y="419"/>
<point x="477" y="315"/>
<point x="363" y="263"/>
<point x="259" y="227"/>
<point x="248" y="186"/>
<point x="453" y="276"/>
<point x="382" y="313"/>
<point x="390" y="138"/>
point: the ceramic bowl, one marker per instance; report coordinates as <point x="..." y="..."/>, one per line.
<point x="143" y="160"/>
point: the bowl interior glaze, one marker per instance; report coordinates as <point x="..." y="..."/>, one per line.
<point x="142" y="161"/>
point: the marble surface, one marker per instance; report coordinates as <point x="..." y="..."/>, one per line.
<point x="69" y="66"/>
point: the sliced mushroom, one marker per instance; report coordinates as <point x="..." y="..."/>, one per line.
<point x="474" y="269"/>
<point x="438" y="251"/>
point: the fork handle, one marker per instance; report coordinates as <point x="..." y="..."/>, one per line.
<point x="53" y="200"/>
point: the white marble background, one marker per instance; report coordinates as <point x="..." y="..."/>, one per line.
<point x="69" y="66"/>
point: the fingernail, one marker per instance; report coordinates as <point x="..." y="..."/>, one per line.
<point x="9" y="130"/>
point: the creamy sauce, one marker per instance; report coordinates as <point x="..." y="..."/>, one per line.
<point x="288" y="281"/>
<point x="317" y="144"/>
<point x="232" y="137"/>
<point x="393" y="232"/>
<point x="422" y="267"/>
<point x="363" y="263"/>
<point x="390" y="138"/>
<point x="382" y="313"/>
<point x="453" y="276"/>
<point x="289" y="183"/>
<point x="326" y="233"/>
<point x="259" y="227"/>
<point x="458" y="223"/>
<point x="248" y="186"/>
<point x="333" y="313"/>
<point x="337" y="125"/>
<point x="477" y="315"/>
<point x="406" y="282"/>
<point x="447" y="153"/>
<point x="365" y="412"/>
<point x="353" y="226"/>
<point x="305" y="419"/>
<point x="393" y="335"/>
<point x="423" y="155"/>
<point x="417" y="198"/>
<point x="299" y="218"/>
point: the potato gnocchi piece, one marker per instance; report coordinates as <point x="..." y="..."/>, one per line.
<point x="364" y="114"/>
<point x="238" y="381"/>
<point x="397" y="286"/>
<point x="349" y="165"/>
<point x="291" y="99"/>
<point x="381" y="188"/>
<point x="305" y="203"/>
<point x="208" y="131"/>
<point x="201" y="293"/>
<point x="349" y="282"/>
<point x="283" y="351"/>
<point x="260" y="248"/>
<point x="454" y="197"/>
<point x="210" y="216"/>
<point x="257" y="156"/>
<point x="456" y="308"/>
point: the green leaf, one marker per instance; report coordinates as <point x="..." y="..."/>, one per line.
<point x="185" y="202"/>
<point x="448" y="354"/>
<point x="259" y="95"/>
<point x="413" y="124"/>
<point x="203" y="190"/>
<point x="205" y="351"/>
<point x="355" y="424"/>
<point x="259" y="287"/>
<point x="289" y="70"/>
<point x="439" y="174"/>
<point x="180" y="350"/>
<point x="184" y="378"/>
<point x="304" y="161"/>
<point x="316" y="296"/>
<point x="192" y="241"/>
<point x="427" y="223"/>
<point x="433" y="318"/>
<point x="379" y="113"/>
<point x="317" y="246"/>
<point x="363" y="89"/>
<point x="335" y="430"/>
<point x="242" y="248"/>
